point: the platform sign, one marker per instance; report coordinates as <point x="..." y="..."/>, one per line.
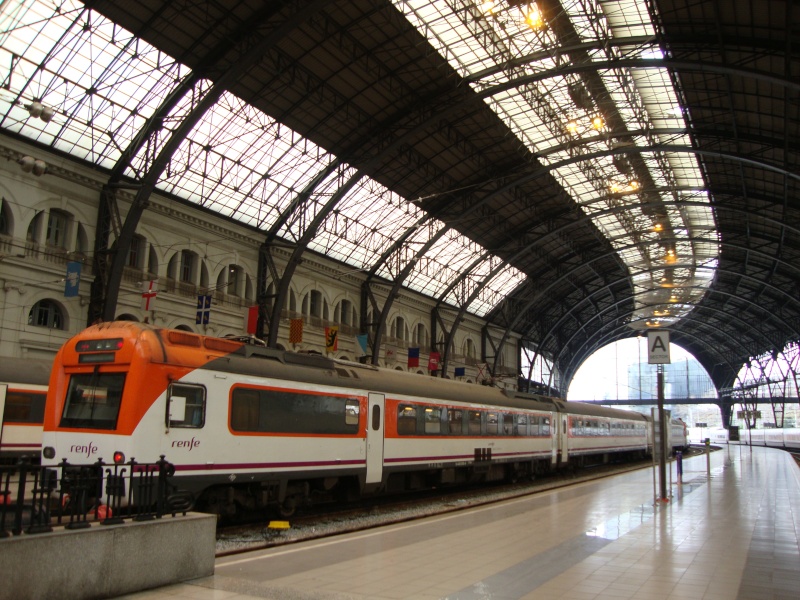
<point x="658" y="348"/>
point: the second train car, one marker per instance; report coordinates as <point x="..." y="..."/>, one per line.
<point x="249" y="427"/>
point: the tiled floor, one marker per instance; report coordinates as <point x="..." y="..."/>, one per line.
<point x="731" y="536"/>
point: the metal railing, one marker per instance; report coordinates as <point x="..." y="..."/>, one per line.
<point x="35" y="498"/>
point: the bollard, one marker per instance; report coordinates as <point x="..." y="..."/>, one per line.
<point x="708" y="457"/>
<point x="679" y="466"/>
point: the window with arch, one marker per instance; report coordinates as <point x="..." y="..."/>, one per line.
<point x="46" y="313"/>
<point x="315" y="305"/>
<point x="420" y="335"/>
<point x="81" y="240"/>
<point x="57" y="223"/>
<point x="345" y="313"/>
<point x="5" y="218"/>
<point x="400" y="328"/>
<point x="470" y="350"/>
<point x="187" y="266"/>
<point x="136" y="252"/>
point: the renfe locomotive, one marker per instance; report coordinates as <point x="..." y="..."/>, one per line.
<point x="249" y="427"/>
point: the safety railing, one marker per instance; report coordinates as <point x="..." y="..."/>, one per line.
<point x="35" y="499"/>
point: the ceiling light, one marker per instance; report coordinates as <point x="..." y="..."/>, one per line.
<point x="598" y="123"/>
<point x="534" y="18"/>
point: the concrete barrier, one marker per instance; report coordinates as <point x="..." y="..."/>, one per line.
<point x="104" y="561"/>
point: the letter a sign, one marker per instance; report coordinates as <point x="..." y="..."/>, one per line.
<point x="658" y="347"/>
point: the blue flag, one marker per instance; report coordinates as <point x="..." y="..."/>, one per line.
<point x="203" y="309"/>
<point x="362" y="343"/>
<point x="461" y="371"/>
<point x="73" y="279"/>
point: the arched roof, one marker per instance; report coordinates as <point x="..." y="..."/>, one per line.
<point x="451" y="147"/>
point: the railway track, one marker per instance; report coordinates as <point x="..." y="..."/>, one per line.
<point x="331" y="520"/>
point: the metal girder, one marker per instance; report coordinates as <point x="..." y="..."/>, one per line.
<point x="251" y="51"/>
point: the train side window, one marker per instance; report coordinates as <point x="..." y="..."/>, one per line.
<point x="193" y="399"/>
<point x="508" y="424"/>
<point x="455" y="419"/>
<point x="433" y="419"/>
<point x="245" y="409"/>
<point x="406" y="420"/>
<point x="521" y="425"/>
<point x="544" y="427"/>
<point x="351" y="410"/>
<point x="474" y="422"/>
<point x="24" y="407"/>
<point x="491" y="423"/>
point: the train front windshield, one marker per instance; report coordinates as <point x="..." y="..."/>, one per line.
<point x="93" y="400"/>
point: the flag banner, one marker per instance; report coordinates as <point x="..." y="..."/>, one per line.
<point x="203" y="309"/>
<point x="413" y="357"/>
<point x="362" y="341"/>
<point x="461" y="371"/>
<point x="296" y="331"/>
<point x="391" y="353"/>
<point x="252" y="320"/>
<point x="433" y="361"/>
<point x="331" y="339"/>
<point x="149" y="293"/>
<point x="73" y="280"/>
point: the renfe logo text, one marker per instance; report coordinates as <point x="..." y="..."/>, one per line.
<point x="88" y="449"/>
<point x="192" y="443"/>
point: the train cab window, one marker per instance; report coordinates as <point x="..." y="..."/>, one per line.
<point x="455" y="420"/>
<point x="186" y="405"/>
<point x="475" y="422"/>
<point x="433" y="419"/>
<point x="93" y="400"/>
<point x="24" y="407"/>
<point x="491" y="424"/>
<point x="406" y="420"/>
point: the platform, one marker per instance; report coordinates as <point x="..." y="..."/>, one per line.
<point x="731" y="536"/>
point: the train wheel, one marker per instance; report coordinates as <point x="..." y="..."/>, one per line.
<point x="288" y="507"/>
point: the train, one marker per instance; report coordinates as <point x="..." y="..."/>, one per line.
<point x="23" y="391"/>
<point x="254" y="428"/>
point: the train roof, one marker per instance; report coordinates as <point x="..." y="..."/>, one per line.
<point x="35" y="371"/>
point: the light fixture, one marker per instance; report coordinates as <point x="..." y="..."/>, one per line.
<point x="534" y="18"/>
<point x="32" y="165"/>
<point x="658" y="227"/>
<point x="598" y="122"/>
<point x="39" y="111"/>
<point x="572" y="126"/>
<point x="633" y="184"/>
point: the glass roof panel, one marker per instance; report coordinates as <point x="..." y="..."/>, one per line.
<point x="648" y="123"/>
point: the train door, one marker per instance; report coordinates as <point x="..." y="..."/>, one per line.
<point x="375" y="421"/>
<point x="564" y="438"/>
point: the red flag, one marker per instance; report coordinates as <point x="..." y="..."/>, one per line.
<point x="296" y="331"/>
<point x="149" y="293"/>
<point x="252" y="319"/>
<point x="433" y="361"/>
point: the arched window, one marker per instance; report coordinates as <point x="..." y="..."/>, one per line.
<point x="126" y="317"/>
<point x="136" y="252"/>
<point x="469" y="348"/>
<point x="81" y="241"/>
<point x="420" y="335"/>
<point x="5" y="218"/>
<point x="46" y="313"/>
<point x="345" y="313"/>
<point x="187" y="266"/>
<point x="315" y="305"/>
<point x="57" y="224"/>
<point x="400" y="329"/>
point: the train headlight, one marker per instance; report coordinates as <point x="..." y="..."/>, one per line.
<point x="119" y="457"/>
<point x="49" y="452"/>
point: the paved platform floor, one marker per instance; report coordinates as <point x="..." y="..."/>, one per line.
<point x="730" y="535"/>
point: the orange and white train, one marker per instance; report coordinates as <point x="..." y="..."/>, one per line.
<point x="23" y="390"/>
<point x="249" y="427"/>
